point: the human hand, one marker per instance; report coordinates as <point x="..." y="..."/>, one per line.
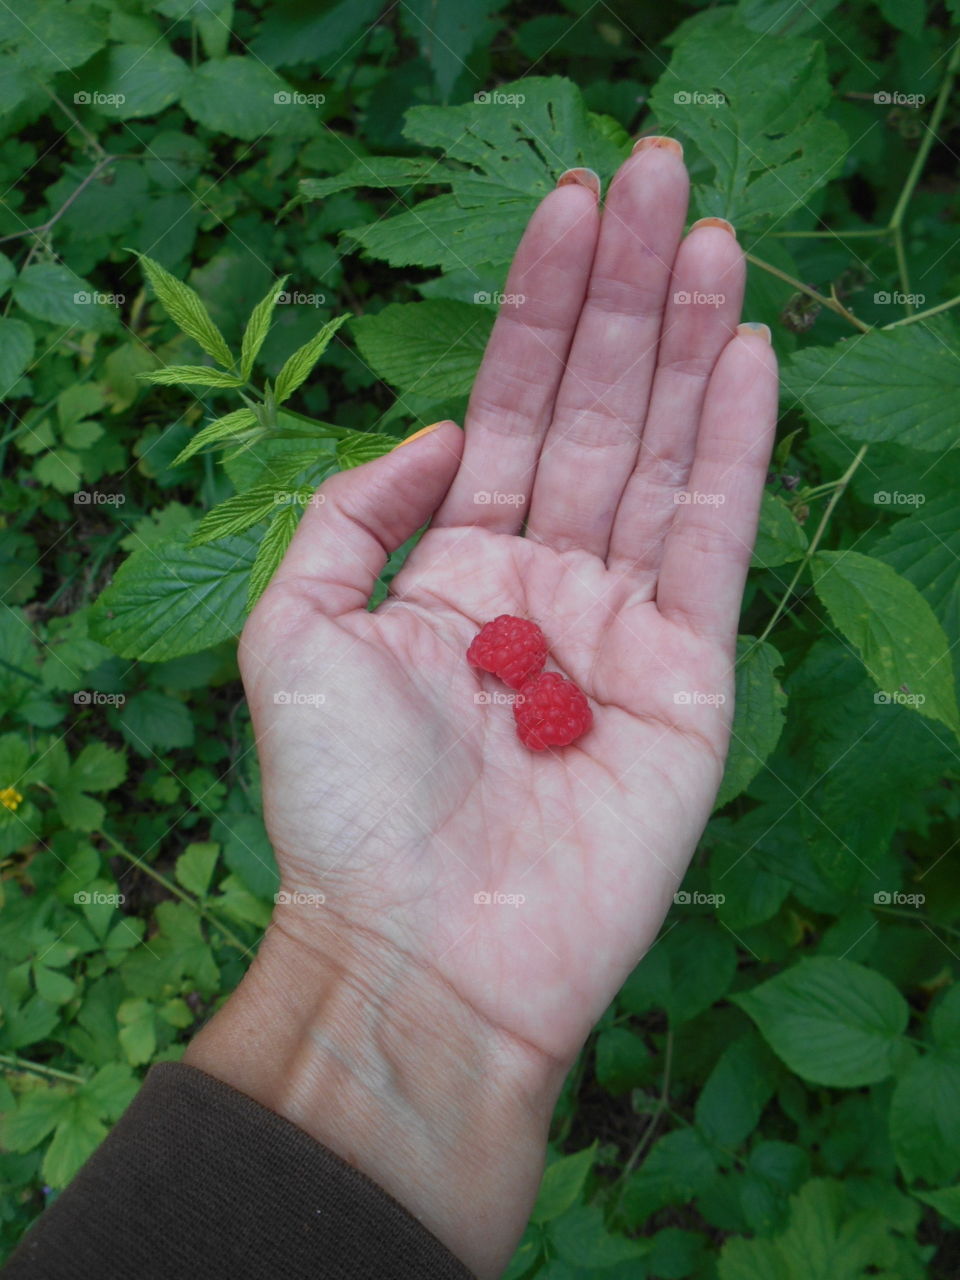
<point x="396" y="797"/>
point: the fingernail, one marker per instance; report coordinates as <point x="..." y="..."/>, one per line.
<point x="424" y="431"/>
<point x="661" y="142"/>
<point x="754" y="326"/>
<point x="722" y="223"/>
<point x="581" y="178"/>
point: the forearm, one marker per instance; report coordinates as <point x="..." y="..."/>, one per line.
<point x="382" y="1064"/>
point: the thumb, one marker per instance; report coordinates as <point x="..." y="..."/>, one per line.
<point x="358" y="517"/>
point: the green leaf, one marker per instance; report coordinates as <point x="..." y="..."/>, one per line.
<point x="38" y="1114"/>
<point x="925" y="1117"/>
<point x="623" y="1059"/>
<point x="373" y="171"/>
<point x="677" y="1167"/>
<point x="16" y="352"/>
<point x="170" y="599"/>
<point x="737" y="1089"/>
<point x="901" y="385"/>
<point x="185" y="308"/>
<point x="689" y="968"/>
<point x="780" y="539"/>
<point x="57" y="295"/>
<point x="505" y="162"/>
<point x="132" y="80"/>
<point x="53" y="986"/>
<point x="758" y="716"/>
<point x="362" y="446"/>
<point x="754" y="106"/>
<point x="946" y="1202"/>
<point x="258" y="327"/>
<point x="191" y="375"/>
<point x="273" y="547"/>
<point x="138" y="1030"/>
<point x="231" y="425"/>
<point x="111" y="1090"/>
<point x="153" y="721"/>
<point x="831" y="1021"/>
<point x="581" y="1238"/>
<point x="78" y="1135"/>
<point x="924" y="548"/>
<point x="563" y="1183"/>
<point x="237" y="514"/>
<point x="61" y="470"/>
<point x="298" y="366"/>
<point x="446" y="34"/>
<point x="782" y="17"/>
<point x="99" y="767"/>
<point x="242" y="98"/>
<point x="432" y="348"/>
<point x="892" y="627"/>
<point x="194" y="867"/>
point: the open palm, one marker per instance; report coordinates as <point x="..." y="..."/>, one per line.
<point x="624" y="422"/>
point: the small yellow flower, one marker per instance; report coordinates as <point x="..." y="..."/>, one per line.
<point x="11" y="798"/>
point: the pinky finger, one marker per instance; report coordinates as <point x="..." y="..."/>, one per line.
<point x="710" y="543"/>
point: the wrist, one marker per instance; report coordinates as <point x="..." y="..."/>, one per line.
<point x="376" y="1058"/>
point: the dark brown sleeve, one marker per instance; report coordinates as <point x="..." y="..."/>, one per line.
<point x="197" y="1179"/>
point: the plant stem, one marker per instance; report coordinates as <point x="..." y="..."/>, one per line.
<point x="815" y="540"/>
<point x="663" y="1103"/>
<point x="923" y="151"/>
<point x="860" y="233"/>
<point x="832" y="304"/>
<point x="37" y="1068"/>
<point x="923" y="315"/>
<point x="175" y="889"/>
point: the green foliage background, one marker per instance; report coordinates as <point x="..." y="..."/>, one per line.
<point x="775" y="1093"/>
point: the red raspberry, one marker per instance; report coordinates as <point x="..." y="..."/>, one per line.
<point x="512" y="648"/>
<point x="551" y="711"/>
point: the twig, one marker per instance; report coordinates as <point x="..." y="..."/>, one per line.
<point x="45" y="226"/>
